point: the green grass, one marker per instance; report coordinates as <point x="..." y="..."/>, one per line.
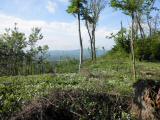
<point x="71" y="66"/>
<point x="111" y="74"/>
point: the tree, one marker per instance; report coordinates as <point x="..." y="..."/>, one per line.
<point x="122" y="40"/>
<point x="12" y="44"/>
<point x="42" y="50"/>
<point x="138" y="20"/>
<point x="147" y="9"/>
<point x="145" y="15"/>
<point x="91" y="13"/>
<point x="146" y="12"/>
<point x="18" y="53"/>
<point x="33" y="51"/>
<point x="75" y="8"/>
<point x="129" y="7"/>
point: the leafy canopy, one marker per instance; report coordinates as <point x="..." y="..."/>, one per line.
<point x="127" y="6"/>
<point x="76" y="6"/>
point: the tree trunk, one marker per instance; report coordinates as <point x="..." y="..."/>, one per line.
<point x="122" y="29"/>
<point x="94" y="47"/>
<point x="94" y="44"/>
<point x="150" y="27"/>
<point x="140" y="27"/>
<point x="148" y="18"/>
<point x="91" y="40"/>
<point x="156" y="23"/>
<point x="81" y="44"/>
<point x="132" y="49"/>
<point x="136" y="28"/>
<point x="142" y="34"/>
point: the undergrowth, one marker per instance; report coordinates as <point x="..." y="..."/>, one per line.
<point x="109" y="74"/>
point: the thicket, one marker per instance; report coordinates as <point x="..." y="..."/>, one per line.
<point x="145" y="48"/>
<point x="141" y="38"/>
<point x="148" y="49"/>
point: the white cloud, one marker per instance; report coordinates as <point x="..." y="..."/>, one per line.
<point x="57" y="35"/>
<point x="51" y="6"/>
<point x="64" y="1"/>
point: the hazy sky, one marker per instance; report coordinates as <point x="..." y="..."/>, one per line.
<point x="58" y="27"/>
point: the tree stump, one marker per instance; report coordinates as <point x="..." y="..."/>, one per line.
<point x="146" y="101"/>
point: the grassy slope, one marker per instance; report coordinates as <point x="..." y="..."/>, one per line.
<point x="110" y="74"/>
<point x="117" y="72"/>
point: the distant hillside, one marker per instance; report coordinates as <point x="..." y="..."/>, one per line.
<point x="73" y="54"/>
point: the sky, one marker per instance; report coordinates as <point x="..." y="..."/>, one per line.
<point x="58" y="27"/>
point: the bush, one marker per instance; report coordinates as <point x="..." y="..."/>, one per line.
<point x="76" y="105"/>
<point x="148" y="49"/>
<point x="67" y="66"/>
<point x="145" y="49"/>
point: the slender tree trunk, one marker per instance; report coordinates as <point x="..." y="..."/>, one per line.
<point x="148" y="15"/>
<point x="94" y="44"/>
<point x="142" y="34"/>
<point x="132" y="49"/>
<point x="140" y="28"/>
<point x="91" y="39"/>
<point x="94" y="47"/>
<point x="136" y="28"/>
<point x="155" y="24"/>
<point x="149" y="25"/>
<point x="81" y="44"/>
<point x="122" y="29"/>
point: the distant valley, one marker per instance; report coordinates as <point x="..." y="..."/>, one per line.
<point x="57" y="55"/>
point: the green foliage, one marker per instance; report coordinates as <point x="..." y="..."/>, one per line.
<point x="75" y="6"/>
<point x="145" y="49"/>
<point x="127" y="6"/>
<point x="67" y="66"/>
<point x="19" y="54"/>
<point x="35" y="36"/>
<point x="122" y="41"/>
<point x="148" y="49"/>
<point x="17" y="91"/>
<point x="110" y="74"/>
